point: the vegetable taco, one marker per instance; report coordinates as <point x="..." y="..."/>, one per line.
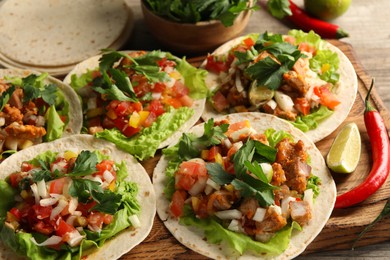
<point x="244" y="185"/>
<point x="298" y="77"/>
<point x="35" y="108"/>
<point x="140" y="101"/>
<point x="73" y="198"/>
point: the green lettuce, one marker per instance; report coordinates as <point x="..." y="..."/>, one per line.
<point x="215" y="233"/>
<point x="7" y="195"/>
<point x="326" y="64"/>
<point x="193" y="79"/>
<point x="311" y="121"/>
<point x="146" y="143"/>
<point x="55" y="126"/>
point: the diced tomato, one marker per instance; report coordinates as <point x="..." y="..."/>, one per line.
<point x="219" y="101"/>
<point x="214" y="150"/>
<point x="104" y="165"/>
<point x="42" y="212"/>
<point x="174" y="102"/>
<point x="27" y="167"/>
<point x="302" y="105"/>
<point x="159" y="87"/>
<point x="249" y="42"/>
<point x="327" y="98"/>
<point x="303" y="46"/>
<point x="108" y="123"/>
<point x="96" y="73"/>
<point x="64" y="118"/>
<point x="59" y="164"/>
<point x="122" y="108"/>
<point x="164" y="62"/>
<point x="156" y="107"/>
<point x="57" y="185"/>
<point x="14" y="179"/>
<point x="185" y="182"/>
<point x="112" y="105"/>
<point x="179" y="89"/>
<point x="107" y="219"/>
<point x="186" y="101"/>
<point x="215" y="65"/>
<point x="16" y="212"/>
<point x="129" y="131"/>
<point x="120" y="123"/>
<point x="96" y="219"/>
<point x="85" y="207"/>
<point x="62" y="228"/>
<point x="189" y="172"/>
<point x="43" y="228"/>
<point x="290" y="39"/>
<point x="140" y="85"/>
<point x="150" y="119"/>
<point x="177" y="203"/>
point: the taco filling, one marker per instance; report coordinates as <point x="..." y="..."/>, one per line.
<point x="31" y="111"/>
<point x="294" y="77"/>
<point x="238" y="185"/>
<point x="139" y="99"/>
<point x="61" y="204"/>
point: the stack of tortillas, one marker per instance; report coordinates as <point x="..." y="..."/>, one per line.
<point x="54" y="35"/>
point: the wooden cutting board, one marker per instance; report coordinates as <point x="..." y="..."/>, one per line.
<point x="344" y="224"/>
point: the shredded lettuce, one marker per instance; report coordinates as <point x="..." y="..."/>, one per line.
<point x="311" y="121"/>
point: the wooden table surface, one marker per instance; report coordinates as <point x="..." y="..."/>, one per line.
<point x="367" y="24"/>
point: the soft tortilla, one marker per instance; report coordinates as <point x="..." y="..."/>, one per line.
<point x="75" y="115"/>
<point x="194" y="239"/>
<point x="346" y="92"/>
<point x="58" y="33"/>
<point x="198" y="105"/>
<point x="127" y="239"/>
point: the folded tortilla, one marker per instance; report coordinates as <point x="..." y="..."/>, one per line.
<point x="322" y="208"/>
<point x="123" y="241"/>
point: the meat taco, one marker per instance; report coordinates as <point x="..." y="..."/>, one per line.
<point x="35" y="108"/>
<point x="141" y="101"/>
<point x="298" y="77"/>
<point x="245" y="185"/>
<point x="73" y="198"/>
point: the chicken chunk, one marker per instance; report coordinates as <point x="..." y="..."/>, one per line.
<point x="25" y="131"/>
<point x="300" y="212"/>
<point x="296" y="81"/>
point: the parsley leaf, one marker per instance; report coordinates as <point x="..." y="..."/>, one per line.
<point x="33" y="88"/>
<point x="218" y="174"/>
<point x="108" y="59"/>
<point x="107" y="201"/>
<point x="85" y="164"/>
<point x="84" y="189"/>
<point x="265" y="198"/>
<point x="265" y="152"/>
<point x="48" y="94"/>
<point x="5" y="96"/>
<point x="245" y="153"/>
<point x="122" y="81"/>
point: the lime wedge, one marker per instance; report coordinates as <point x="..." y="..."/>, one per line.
<point x="344" y="154"/>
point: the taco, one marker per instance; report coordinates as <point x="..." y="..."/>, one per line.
<point x="245" y="185"/>
<point x="298" y="77"/>
<point x="140" y="101"/>
<point x="73" y="198"/>
<point x="35" y="108"/>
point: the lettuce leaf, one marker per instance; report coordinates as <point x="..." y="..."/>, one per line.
<point x="194" y="79"/>
<point x="326" y="64"/>
<point x="145" y="144"/>
<point x="216" y="233"/>
<point x="7" y="195"/>
<point x="311" y="121"/>
<point x="55" y="126"/>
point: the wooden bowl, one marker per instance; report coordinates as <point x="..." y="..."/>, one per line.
<point x="192" y="38"/>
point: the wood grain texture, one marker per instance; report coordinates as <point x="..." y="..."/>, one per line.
<point x="344" y="224"/>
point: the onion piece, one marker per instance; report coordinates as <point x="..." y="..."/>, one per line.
<point x="135" y="221"/>
<point x="51" y="241"/>
<point x="284" y="101"/>
<point x="34" y="189"/>
<point x="42" y="190"/>
<point x="73" y="203"/>
<point x="234" y="226"/>
<point x="74" y="238"/>
<point x="108" y="176"/>
<point x="213" y="184"/>
<point x="48" y="202"/>
<point x="285" y="206"/>
<point x="198" y="186"/>
<point x="229" y="214"/>
<point x="259" y="214"/>
<point x="57" y="210"/>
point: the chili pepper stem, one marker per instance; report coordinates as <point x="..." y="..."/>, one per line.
<point x="367" y="103"/>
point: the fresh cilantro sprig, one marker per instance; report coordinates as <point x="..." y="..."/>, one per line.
<point x="34" y="88"/>
<point x="218" y="174"/>
<point x="85" y="164"/>
<point x="5" y="96"/>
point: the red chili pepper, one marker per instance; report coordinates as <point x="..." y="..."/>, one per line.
<point x="379" y="139"/>
<point x="305" y="22"/>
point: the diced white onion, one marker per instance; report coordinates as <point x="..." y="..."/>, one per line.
<point x="284" y="101"/>
<point x="51" y="241"/>
<point x="213" y="184"/>
<point x="272" y="104"/>
<point x="276" y="209"/>
<point x="239" y="86"/>
<point x="2" y="121"/>
<point x="234" y="226"/>
<point x="243" y="131"/>
<point x="73" y="203"/>
<point x="108" y="176"/>
<point x="40" y="121"/>
<point x="198" y="186"/>
<point x="285" y="206"/>
<point x="34" y="189"/>
<point x="11" y="143"/>
<point x="92" y="103"/>
<point x="208" y="189"/>
<point x="267" y="169"/>
<point x="259" y="214"/>
<point x="229" y="214"/>
<point x="135" y="221"/>
<point x="42" y="190"/>
<point x="59" y="166"/>
<point x="156" y="95"/>
<point x="57" y="210"/>
<point x="77" y="213"/>
<point x="70" y="220"/>
<point x="74" y="238"/>
<point x="227" y="143"/>
<point x="308" y="197"/>
<point x="48" y="202"/>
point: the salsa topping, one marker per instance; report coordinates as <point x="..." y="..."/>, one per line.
<point x="250" y="183"/>
<point x="288" y="76"/>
